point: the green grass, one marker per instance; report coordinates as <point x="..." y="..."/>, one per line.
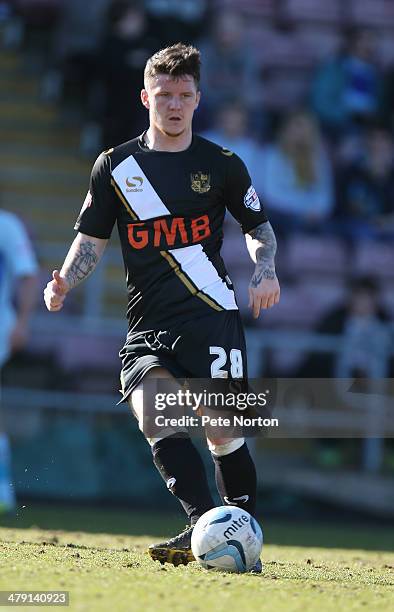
<point x="121" y="521"/>
<point x="111" y="571"/>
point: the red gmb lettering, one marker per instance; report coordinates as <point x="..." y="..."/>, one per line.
<point x="166" y="232"/>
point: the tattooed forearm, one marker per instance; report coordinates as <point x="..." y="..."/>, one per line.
<point x="264" y="243"/>
<point x="81" y="264"/>
<point x="261" y="244"/>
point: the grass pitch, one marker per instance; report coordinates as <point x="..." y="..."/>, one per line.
<point x="113" y="572"/>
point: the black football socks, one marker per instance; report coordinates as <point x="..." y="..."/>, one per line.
<point x="236" y="480"/>
<point x="181" y="467"/>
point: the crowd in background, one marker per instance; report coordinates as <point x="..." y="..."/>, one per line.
<point x="321" y="160"/>
<point x="318" y="142"/>
<point x="321" y="155"/>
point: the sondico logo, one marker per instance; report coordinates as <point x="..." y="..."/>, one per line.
<point x="235" y="525"/>
<point x="137" y="186"/>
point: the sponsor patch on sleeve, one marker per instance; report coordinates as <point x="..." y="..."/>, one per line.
<point x="251" y="200"/>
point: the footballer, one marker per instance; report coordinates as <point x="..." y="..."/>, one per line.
<point x="168" y="190"/>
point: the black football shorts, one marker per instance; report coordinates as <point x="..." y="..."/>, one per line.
<point x="208" y="347"/>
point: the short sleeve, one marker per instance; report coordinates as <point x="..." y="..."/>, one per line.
<point x="99" y="210"/>
<point x="241" y="198"/>
<point x="17" y="246"/>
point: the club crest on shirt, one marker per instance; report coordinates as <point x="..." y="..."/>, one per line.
<point x="251" y="200"/>
<point x="200" y="182"/>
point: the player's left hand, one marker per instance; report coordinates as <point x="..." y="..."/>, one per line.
<point x="263" y="292"/>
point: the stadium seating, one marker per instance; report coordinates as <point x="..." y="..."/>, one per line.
<point x="302" y="305"/>
<point x="371" y="13"/>
<point x="251" y="8"/>
<point x="374" y="258"/>
<point x="316" y="255"/>
<point x="42" y="13"/>
<point x="319" y="41"/>
<point x="311" y="269"/>
<point x="310" y="10"/>
<point x="285" y="48"/>
<point x="388" y="299"/>
<point x="43" y="179"/>
<point x="386" y="48"/>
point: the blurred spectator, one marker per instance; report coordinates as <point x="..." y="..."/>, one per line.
<point x="366" y="189"/>
<point x="75" y="42"/>
<point x="37" y="12"/>
<point x="361" y="321"/>
<point x="18" y="269"/>
<point x="12" y="26"/>
<point x="388" y="98"/>
<point x="230" y="68"/>
<point x="347" y="88"/>
<point x="297" y="182"/>
<point x="177" y="20"/>
<point x="21" y="20"/>
<point x="5" y="10"/>
<point x="231" y="131"/>
<point x="120" y="62"/>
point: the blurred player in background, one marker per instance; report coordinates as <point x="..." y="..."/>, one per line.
<point x="18" y="270"/>
<point x="168" y="190"/>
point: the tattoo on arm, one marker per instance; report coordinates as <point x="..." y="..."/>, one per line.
<point x="264" y="236"/>
<point x="259" y="274"/>
<point x="82" y="264"/>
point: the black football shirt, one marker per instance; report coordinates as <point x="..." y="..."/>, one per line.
<point x="169" y="209"/>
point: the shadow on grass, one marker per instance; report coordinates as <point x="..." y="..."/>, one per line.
<point x="286" y="533"/>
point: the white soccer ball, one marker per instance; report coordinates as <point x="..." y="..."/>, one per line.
<point x="227" y="538"/>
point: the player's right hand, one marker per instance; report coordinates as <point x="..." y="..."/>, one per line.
<point x="55" y="292"/>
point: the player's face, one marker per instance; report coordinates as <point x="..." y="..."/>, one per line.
<point x="171" y="103"/>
